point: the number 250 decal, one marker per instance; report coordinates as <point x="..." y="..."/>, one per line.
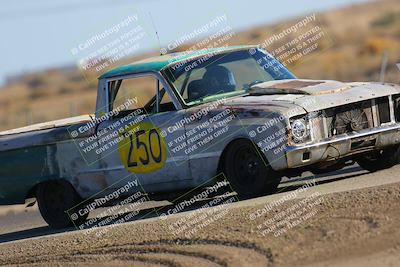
<point x="143" y="149"/>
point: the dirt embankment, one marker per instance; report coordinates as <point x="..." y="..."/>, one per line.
<point x="356" y="227"/>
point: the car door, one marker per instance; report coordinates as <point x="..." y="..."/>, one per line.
<point x="138" y="140"/>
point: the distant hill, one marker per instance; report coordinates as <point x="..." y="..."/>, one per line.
<point x="355" y="40"/>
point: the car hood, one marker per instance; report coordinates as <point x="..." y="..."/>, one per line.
<point x="310" y="95"/>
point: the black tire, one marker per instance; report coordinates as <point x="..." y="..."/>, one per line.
<point x="247" y="171"/>
<point x="379" y="160"/>
<point x="54" y="200"/>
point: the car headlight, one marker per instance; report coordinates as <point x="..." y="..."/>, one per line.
<point x="299" y="130"/>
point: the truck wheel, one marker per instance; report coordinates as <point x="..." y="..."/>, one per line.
<point x="248" y="171"/>
<point x="54" y="200"/>
<point x="379" y="160"/>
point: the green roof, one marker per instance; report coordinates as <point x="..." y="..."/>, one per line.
<point x="161" y="62"/>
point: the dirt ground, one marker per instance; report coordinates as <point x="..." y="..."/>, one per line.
<point x="354" y="228"/>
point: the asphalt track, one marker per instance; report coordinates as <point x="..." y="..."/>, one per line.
<point x="27" y="224"/>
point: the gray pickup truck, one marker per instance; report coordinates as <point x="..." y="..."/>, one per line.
<point x="186" y="120"/>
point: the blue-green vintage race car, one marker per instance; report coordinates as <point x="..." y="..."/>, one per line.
<point x="186" y="120"/>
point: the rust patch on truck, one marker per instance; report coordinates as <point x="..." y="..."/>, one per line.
<point x="89" y="182"/>
<point x="296" y="84"/>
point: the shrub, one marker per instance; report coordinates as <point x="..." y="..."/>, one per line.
<point x="376" y="46"/>
<point x="386" y="20"/>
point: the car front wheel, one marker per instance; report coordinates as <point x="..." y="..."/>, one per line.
<point x="247" y="170"/>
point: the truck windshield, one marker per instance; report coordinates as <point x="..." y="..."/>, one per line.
<point x="212" y="77"/>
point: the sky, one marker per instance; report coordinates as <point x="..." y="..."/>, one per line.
<point x="40" y="34"/>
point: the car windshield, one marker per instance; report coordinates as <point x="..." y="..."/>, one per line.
<point x="212" y="77"/>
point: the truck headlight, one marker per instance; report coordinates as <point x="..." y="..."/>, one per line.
<point x="299" y="130"/>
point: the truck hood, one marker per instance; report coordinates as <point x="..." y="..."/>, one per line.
<point x="311" y="95"/>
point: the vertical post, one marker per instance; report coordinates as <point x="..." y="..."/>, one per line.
<point x="72" y="109"/>
<point x="383" y="67"/>
<point x="28" y="117"/>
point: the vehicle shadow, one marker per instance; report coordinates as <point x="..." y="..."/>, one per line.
<point x="346" y="173"/>
<point x="285" y="186"/>
<point x="32" y="233"/>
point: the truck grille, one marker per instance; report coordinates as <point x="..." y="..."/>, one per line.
<point x="349" y="121"/>
<point x="356" y="116"/>
<point x="383" y="109"/>
<point x="396" y="107"/>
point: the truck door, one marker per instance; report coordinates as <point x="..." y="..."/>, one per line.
<point x="137" y="139"/>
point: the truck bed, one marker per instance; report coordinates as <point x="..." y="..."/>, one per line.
<point x="28" y="156"/>
<point x="48" y="125"/>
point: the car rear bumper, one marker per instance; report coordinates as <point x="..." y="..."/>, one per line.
<point x="343" y="145"/>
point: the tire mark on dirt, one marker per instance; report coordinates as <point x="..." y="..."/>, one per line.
<point x="171" y="253"/>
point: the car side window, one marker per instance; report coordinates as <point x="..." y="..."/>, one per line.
<point x="132" y="93"/>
